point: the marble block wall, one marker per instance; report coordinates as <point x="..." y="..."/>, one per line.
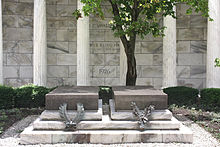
<point x="191" y="48"/>
<point x="104" y="47"/>
<point x="17" y="42"/>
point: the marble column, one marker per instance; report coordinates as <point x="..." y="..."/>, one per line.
<point x="213" y="45"/>
<point x="169" y="53"/>
<point x="123" y="65"/>
<point x="83" y="52"/>
<point x="40" y="43"/>
<point x="1" y="46"/>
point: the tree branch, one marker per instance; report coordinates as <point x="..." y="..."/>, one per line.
<point x="119" y="27"/>
<point x="134" y="11"/>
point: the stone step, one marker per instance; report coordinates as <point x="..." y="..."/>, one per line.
<point x="129" y="115"/>
<point x="71" y="95"/>
<point x="30" y="136"/>
<point x="108" y="125"/>
<point x="142" y="95"/>
<point x="89" y="114"/>
<point x="97" y="115"/>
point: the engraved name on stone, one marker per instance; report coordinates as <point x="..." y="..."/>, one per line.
<point x="104" y="45"/>
<point x="105" y="26"/>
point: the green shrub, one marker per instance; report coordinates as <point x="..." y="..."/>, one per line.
<point x="210" y="97"/>
<point x="6" y="97"/>
<point x="38" y="96"/>
<point x="181" y="95"/>
<point x="23" y="97"/>
<point x="30" y="96"/>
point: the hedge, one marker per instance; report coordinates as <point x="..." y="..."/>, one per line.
<point x="30" y="96"/>
<point x="6" y="97"/>
<point x="181" y="95"/>
<point x="27" y="96"/>
<point x="23" y="96"/>
<point x="210" y="97"/>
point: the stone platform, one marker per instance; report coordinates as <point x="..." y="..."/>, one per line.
<point x="53" y="115"/>
<point x="128" y="114"/>
<point x="105" y="124"/>
<point x="30" y="136"/>
<point x="123" y="96"/>
<point x="87" y="95"/>
<point x="141" y="95"/>
<point x="172" y="124"/>
<point x="162" y="128"/>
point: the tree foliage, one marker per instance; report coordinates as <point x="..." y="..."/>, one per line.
<point x="132" y="18"/>
<point x="217" y="62"/>
<point x="140" y="16"/>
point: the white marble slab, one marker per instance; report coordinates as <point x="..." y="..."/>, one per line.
<point x="89" y="114"/>
<point x="30" y="136"/>
<point x="107" y="124"/>
<point x="128" y="115"/>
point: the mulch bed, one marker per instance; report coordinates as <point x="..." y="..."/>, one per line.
<point x="208" y="120"/>
<point x="9" y="117"/>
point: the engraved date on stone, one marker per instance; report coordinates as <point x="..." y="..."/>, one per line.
<point x="104" y="71"/>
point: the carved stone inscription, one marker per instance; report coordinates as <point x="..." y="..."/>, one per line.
<point x="105" y="47"/>
<point x="104" y="71"/>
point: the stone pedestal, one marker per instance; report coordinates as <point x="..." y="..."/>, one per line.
<point x="169" y="53"/>
<point x="105" y="128"/>
<point x="142" y="95"/>
<point x="129" y="115"/>
<point x="29" y="136"/>
<point x="40" y="43"/>
<point x="71" y="95"/>
<point x="83" y="53"/>
<point x="213" y="45"/>
<point x="1" y="46"/>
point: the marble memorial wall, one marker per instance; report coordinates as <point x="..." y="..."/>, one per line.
<point x="104" y="47"/>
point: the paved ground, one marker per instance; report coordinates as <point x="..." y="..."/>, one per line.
<point x="200" y="136"/>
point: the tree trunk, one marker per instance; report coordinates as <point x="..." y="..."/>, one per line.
<point x="129" y="44"/>
<point x="131" y="62"/>
<point x="131" y="70"/>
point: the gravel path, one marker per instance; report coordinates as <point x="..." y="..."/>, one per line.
<point x="201" y="138"/>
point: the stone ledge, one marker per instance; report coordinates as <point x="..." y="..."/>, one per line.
<point x="87" y="95"/>
<point x="108" y="125"/>
<point x="142" y="95"/>
<point x="89" y="114"/>
<point x="29" y="136"/>
<point x="128" y="115"/>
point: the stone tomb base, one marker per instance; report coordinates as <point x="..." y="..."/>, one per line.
<point x="162" y="128"/>
<point x="106" y="125"/>
<point x="31" y="136"/>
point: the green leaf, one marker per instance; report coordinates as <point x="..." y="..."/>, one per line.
<point x="217" y="62"/>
